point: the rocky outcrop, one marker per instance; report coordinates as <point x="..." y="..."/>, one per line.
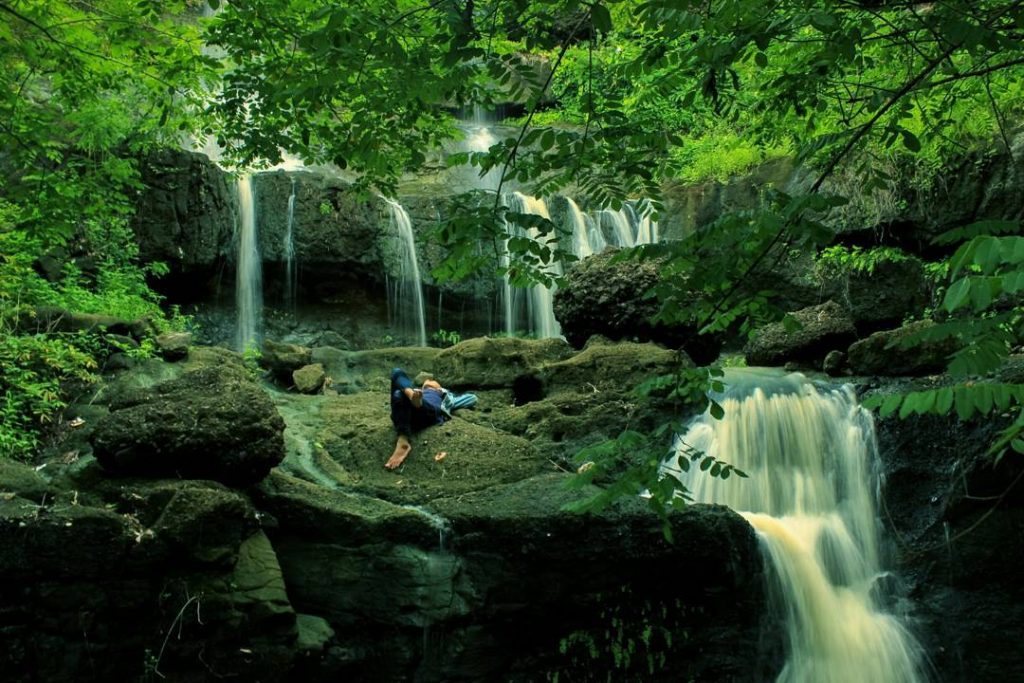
<point x="884" y="354"/>
<point x="463" y="565"/>
<point x="95" y="583"/>
<point x="607" y="297"/>
<point x="957" y="520"/>
<point x="694" y="205"/>
<point x="815" y="332"/>
<point x="211" y="423"/>
<point x="890" y="293"/>
<point x="185" y="213"/>
<point x="508" y="561"/>
<point x="331" y="223"/>
<point x="915" y="209"/>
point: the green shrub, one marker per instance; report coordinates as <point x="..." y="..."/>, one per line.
<point x="35" y="374"/>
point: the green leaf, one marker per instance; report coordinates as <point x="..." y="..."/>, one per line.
<point x="956" y="295"/>
<point x="760" y="59"/>
<point x="890" y="404"/>
<point x="601" y="18"/>
<point x="910" y="141"/>
<point x="716" y="410"/>
<point x="944" y="400"/>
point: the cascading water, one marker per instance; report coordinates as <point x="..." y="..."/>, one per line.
<point x="248" y="269"/>
<point x="290" y="273"/>
<point x="587" y="239"/>
<point x="620" y="231"/>
<point x="811" y="457"/>
<point x="532" y="310"/>
<point x="407" y="295"/>
<point x="540" y="312"/>
<point x="647" y="229"/>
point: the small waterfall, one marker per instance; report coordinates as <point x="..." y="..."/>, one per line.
<point x="587" y="239"/>
<point x="647" y="229"/>
<point x="620" y="231"/>
<point x="540" y="312"/>
<point x="812" y="460"/>
<point x="408" y="305"/>
<point x="291" y="276"/>
<point x="248" y="270"/>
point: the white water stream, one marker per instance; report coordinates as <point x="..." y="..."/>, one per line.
<point x="811" y="456"/>
<point x="290" y="273"/>
<point x="408" y="305"/>
<point x="249" y="270"/>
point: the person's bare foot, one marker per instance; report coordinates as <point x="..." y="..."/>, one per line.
<point x="402" y="449"/>
<point x="415" y="397"/>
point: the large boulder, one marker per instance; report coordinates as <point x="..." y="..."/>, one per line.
<point x="211" y="423"/>
<point x="883" y="353"/>
<point x="607" y="297"/>
<point x="819" y="330"/>
<point x="883" y="297"/>
<point x="484" y="362"/>
<point x="309" y="378"/>
<point x="517" y="585"/>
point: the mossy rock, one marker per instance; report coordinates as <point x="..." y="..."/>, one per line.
<point x="882" y="353"/>
<point x="359" y="436"/>
<point x="486" y="363"/>
<point x="211" y="423"/>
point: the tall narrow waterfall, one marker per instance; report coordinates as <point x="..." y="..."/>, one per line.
<point x="407" y="295"/>
<point x="249" y="269"/>
<point x="290" y="273"/>
<point x="540" y="312"/>
<point x="812" y="459"/>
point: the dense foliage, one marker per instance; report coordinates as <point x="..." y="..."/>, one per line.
<point x="87" y="88"/>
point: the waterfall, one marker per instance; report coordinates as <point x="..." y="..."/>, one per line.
<point x="647" y="229"/>
<point x="408" y="304"/>
<point x="540" y="312"/>
<point x="248" y="269"/>
<point x="290" y="274"/>
<point x="587" y="239"/>
<point x="621" y="232"/>
<point x="812" y="461"/>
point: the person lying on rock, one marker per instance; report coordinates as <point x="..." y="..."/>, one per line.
<point x="414" y="409"/>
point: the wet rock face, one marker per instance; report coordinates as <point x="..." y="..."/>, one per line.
<point x="212" y="423"/>
<point x="605" y="298"/>
<point x="185" y="215"/>
<point x="821" y="329"/>
<point x="957" y="524"/>
<point x="331" y="224"/>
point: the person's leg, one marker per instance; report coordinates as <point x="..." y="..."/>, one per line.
<point x="402" y="412"/>
<point x="402" y="385"/>
<point x="402" y="448"/>
<point x="400" y="380"/>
